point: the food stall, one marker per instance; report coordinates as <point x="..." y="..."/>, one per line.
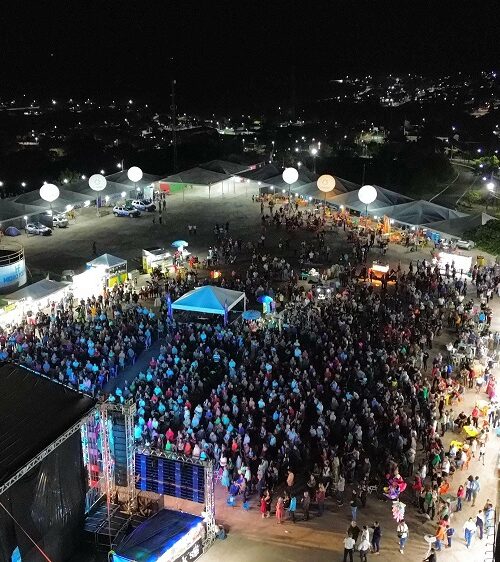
<point x="111" y="268"/>
<point x="378" y="271"/>
<point x="156" y="258"/>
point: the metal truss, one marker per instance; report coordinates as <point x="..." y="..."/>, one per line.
<point x="208" y="473"/>
<point x="46" y="452"/>
<point x="209" y="506"/>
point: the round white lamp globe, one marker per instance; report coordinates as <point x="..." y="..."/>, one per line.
<point x="97" y="182"/>
<point x="49" y="192"/>
<point x="290" y="175"/>
<point x="134" y="174"/>
<point x="326" y="183"/>
<point x="367" y="194"/>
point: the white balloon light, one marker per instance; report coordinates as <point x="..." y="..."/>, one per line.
<point x="134" y="174"/>
<point x="290" y="175"/>
<point x="326" y="183"/>
<point x="49" y="192"/>
<point x="367" y="194"/>
<point x="97" y="182"/>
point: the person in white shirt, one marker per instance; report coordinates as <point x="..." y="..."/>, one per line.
<point x="482" y="452"/>
<point x="403" y="532"/>
<point x="349" y="543"/>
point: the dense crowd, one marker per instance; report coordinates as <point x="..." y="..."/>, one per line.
<point x="342" y="391"/>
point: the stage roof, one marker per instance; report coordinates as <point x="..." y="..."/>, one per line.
<point x="208" y="299"/>
<point x="35" y="412"/>
<point x="155" y="536"/>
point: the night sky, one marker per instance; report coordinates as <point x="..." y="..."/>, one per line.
<point x="233" y="54"/>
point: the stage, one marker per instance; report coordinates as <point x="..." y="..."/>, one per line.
<point x="168" y="536"/>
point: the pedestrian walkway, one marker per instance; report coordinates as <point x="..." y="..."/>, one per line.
<point x="131" y="371"/>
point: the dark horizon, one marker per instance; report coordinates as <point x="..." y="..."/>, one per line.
<point x="232" y="56"/>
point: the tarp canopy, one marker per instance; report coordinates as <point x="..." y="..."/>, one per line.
<point x="305" y="177"/>
<point x="66" y="198"/>
<point x="385" y="198"/>
<point x="262" y="173"/>
<point x="156" y="536"/>
<point x="36" y="407"/>
<point x="197" y="176"/>
<point x="39" y="290"/>
<point x="121" y="178"/>
<point x="112" y="188"/>
<point x="209" y="300"/>
<point x="458" y="226"/>
<point x="107" y="260"/>
<point x="418" y="213"/>
<point x="311" y="190"/>
<point x="11" y="209"/>
<point x="225" y="167"/>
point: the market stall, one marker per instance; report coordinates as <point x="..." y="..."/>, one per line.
<point x="112" y="268"/>
<point x="29" y="300"/>
<point x="156" y="258"/>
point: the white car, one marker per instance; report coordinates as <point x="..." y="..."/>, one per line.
<point x="125" y="211"/>
<point x="465" y="244"/>
<point x="144" y="205"/>
<point x="60" y="221"/>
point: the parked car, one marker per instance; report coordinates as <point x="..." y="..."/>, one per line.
<point x="38" y="228"/>
<point x="125" y="211"/>
<point x="144" y="205"/>
<point x="465" y="244"/>
<point x="61" y="221"/>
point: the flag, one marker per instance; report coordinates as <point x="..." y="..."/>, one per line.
<point x="226" y="313"/>
<point x="170" y="312"/>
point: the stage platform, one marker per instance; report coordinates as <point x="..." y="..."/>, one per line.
<point x="168" y="536"/>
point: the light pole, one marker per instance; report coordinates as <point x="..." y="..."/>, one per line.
<point x="134" y="174"/>
<point x="49" y="192"/>
<point x="367" y="195"/>
<point x="290" y="176"/>
<point x="97" y="182"/>
<point x="325" y="183"/>
<point x="314" y="153"/>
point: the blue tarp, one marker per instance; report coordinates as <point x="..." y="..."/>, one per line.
<point x="208" y="299"/>
<point x="155" y="536"/>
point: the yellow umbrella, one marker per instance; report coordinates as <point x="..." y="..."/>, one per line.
<point x="471" y="431"/>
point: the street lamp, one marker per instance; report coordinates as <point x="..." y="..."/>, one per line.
<point x="314" y="153"/>
<point x="290" y="176"/>
<point x="97" y="182"/>
<point x="134" y="174"/>
<point x="49" y="192"/>
<point x="325" y="183"/>
<point x="367" y="194"/>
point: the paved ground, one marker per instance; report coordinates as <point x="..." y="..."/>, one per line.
<point x="250" y="538"/>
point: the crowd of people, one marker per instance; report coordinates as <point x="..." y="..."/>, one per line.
<point x="340" y="395"/>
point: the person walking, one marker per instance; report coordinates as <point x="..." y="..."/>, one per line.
<point x="403" y="533"/>
<point x="450" y="531"/>
<point x="469" y="531"/>
<point x="364" y="548"/>
<point x="306" y="504"/>
<point x="320" y="498"/>
<point x="440" y="536"/>
<point x="341" y="490"/>
<point x="376" y="536"/>
<point x="482" y="452"/>
<point x="354" y="508"/>
<point x="280" y="511"/>
<point x="349" y="543"/>
<point x="480" y="524"/>
<point x="475" y="490"/>
<point x="460" y="497"/>
<point x="292" y="508"/>
<point x="469" y="486"/>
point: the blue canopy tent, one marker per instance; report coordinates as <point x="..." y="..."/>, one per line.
<point x="210" y="300"/>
